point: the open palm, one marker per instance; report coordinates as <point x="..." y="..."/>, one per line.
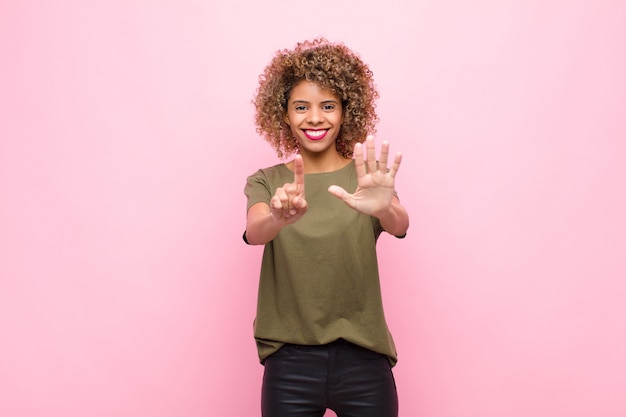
<point x="375" y="186"/>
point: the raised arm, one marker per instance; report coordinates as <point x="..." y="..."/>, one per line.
<point x="375" y="193"/>
<point x="287" y="206"/>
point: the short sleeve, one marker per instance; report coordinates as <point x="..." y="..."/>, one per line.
<point x="257" y="189"/>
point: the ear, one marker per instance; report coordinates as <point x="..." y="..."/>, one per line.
<point x="287" y="119"/>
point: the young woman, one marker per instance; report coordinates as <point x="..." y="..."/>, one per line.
<point x="320" y="328"/>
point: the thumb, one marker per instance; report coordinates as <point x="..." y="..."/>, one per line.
<point x="339" y="192"/>
<point x="300" y="204"/>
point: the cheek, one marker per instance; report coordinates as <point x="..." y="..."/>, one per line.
<point x="294" y="131"/>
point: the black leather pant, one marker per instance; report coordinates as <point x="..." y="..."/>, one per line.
<point x="303" y="381"/>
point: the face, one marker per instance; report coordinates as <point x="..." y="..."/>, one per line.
<point x="315" y="116"/>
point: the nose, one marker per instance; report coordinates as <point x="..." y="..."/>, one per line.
<point x="315" y="116"/>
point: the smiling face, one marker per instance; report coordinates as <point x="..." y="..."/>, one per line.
<point x="314" y="115"/>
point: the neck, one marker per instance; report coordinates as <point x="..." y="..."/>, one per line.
<point x="316" y="163"/>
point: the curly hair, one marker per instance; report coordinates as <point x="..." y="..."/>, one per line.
<point x="331" y="66"/>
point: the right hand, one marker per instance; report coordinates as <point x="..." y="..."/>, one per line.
<point x="288" y="203"/>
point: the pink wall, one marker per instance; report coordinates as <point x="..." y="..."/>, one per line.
<point x="126" y="135"/>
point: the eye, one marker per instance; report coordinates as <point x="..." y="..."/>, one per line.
<point x="300" y="108"/>
<point x="328" y="107"/>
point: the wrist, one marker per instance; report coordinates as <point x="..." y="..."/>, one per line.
<point x="395" y="219"/>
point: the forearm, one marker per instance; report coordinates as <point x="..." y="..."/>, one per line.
<point x="395" y="220"/>
<point x="261" y="227"/>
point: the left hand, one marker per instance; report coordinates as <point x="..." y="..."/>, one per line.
<point x="375" y="189"/>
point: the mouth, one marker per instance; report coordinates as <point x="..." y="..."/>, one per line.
<point x="315" y="134"/>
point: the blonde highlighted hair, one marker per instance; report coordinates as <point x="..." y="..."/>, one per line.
<point x="330" y="65"/>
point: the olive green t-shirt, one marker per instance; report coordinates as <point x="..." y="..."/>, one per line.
<point x="319" y="276"/>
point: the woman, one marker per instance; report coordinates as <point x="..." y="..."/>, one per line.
<point x="320" y="327"/>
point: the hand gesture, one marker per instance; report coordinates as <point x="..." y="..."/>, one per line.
<point x="375" y="188"/>
<point x="288" y="203"/>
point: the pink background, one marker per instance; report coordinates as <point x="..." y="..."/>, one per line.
<point x="126" y="135"/>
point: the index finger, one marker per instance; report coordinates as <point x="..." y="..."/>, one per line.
<point x="371" y="154"/>
<point x="298" y="170"/>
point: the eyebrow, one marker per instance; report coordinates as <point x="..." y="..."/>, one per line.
<point x="307" y="102"/>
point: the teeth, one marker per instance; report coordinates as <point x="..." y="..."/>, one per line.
<point x="315" y="133"/>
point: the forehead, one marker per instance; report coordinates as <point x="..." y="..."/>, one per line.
<point x="310" y="91"/>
